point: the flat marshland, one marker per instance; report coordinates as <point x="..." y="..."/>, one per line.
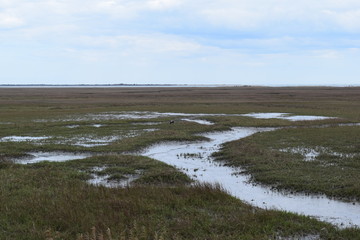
<point x="107" y="127"/>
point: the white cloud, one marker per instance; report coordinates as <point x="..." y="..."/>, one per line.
<point x="349" y="20"/>
<point x="288" y="16"/>
<point x="212" y="35"/>
<point x="259" y="15"/>
<point x="163" y="4"/>
<point x="234" y="18"/>
<point x="160" y="44"/>
<point x="144" y="44"/>
<point x="10" y="21"/>
<point x="328" y="54"/>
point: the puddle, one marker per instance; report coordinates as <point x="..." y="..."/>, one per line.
<point x="51" y="157"/>
<point x="306" y="118"/>
<point x="83" y="141"/>
<point x="93" y="125"/>
<point x="195" y="160"/>
<point x="103" y="181"/>
<point x="99" y="180"/>
<point x="73" y="126"/>
<point x="311" y="154"/>
<point x="23" y="139"/>
<point x="150" y="130"/>
<point x="95" y="142"/>
<point x="285" y="116"/>
<point x="265" y="115"/>
<point x="306" y="237"/>
<point x="349" y="124"/>
<point x="147" y="123"/>
<point x="87" y="141"/>
<point x="199" y="121"/>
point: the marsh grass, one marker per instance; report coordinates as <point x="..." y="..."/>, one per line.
<point x="43" y="201"/>
<point x="53" y="200"/>
<point x="119" y="167"/>
<point x="65" y="139"/>
<point x="336" y="175"/>
<point x="134" y="233"/>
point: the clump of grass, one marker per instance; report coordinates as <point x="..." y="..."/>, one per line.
<point x="164" y="178"/>
<point x="190" y="155"/>
<point x="134" y="233"/>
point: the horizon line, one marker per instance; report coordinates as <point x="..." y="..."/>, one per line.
<point x="169" y="85"/>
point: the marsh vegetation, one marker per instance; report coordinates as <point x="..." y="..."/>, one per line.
<point x="55" y="198"/>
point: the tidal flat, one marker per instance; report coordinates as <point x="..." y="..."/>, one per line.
<point x="116" y="182"/>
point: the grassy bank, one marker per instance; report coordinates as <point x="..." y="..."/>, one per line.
<point x="42" y="199"/>
<point x="278" y="158"/>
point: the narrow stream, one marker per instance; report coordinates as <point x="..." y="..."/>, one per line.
<point x="195" y="159"/>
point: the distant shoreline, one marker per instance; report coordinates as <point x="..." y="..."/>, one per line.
<point x="153" y="85"/>
<point x="109" y="85"/>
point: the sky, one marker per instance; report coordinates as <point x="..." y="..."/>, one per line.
<point x="236" y="42"/>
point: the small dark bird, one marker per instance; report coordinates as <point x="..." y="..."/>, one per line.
<point x="172" y="122"/>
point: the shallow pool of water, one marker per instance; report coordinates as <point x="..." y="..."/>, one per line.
<point x="147" y="123"/>
<point x="93" y="141"/>
<point x="22" y="139"/>
<point x="103" y="180"/>
<point x="199" y="121"/>
<point x="97" y="125"/>
<point x="286" y="116"/>
<point x="311" y="154"/>
<point x="73" y="126"/>
<point x="51" y="157"/>
<point x="195" y="159"/>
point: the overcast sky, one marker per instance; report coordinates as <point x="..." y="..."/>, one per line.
<point x="256" y="42"/>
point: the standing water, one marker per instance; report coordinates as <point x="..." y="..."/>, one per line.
<point x="35" y="157"/>
<point x="195" y="159"/>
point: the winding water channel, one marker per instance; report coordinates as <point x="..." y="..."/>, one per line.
<point x="195" y="159"/>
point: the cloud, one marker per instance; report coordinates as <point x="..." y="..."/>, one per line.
<point x="140" y="44"/>
<point x="273" y="16"/>
<point x="203" y="35"/>
<point x="160" y="44"/>
<point x="163" y="4"/>
<point x="233" y="18"/>
<point x="10" y="21"/>
<point x="348" y="20"/>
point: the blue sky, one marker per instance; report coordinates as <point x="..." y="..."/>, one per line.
<point x="243" y="42"/>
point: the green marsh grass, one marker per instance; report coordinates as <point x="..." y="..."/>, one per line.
<point x="262" y="155"/>
<point x="53" y="200"/>
<point x="41" y="197"/>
